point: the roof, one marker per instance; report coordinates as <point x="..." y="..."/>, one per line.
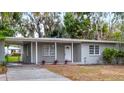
<point x="61" y="40"/>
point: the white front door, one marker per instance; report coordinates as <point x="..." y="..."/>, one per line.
<point x="68" y="52"/>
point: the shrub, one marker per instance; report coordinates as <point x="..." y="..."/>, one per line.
<point x="66" y="61"/>
<point x="120" y="54"/>
<point x="43" y="62"/>
<point x="109" y="54"/>
<point x="16" y="54"/>
<point x="55" y="62"/>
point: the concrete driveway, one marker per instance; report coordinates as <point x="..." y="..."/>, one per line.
<point x="31" y="73"/>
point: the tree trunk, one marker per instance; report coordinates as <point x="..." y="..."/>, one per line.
<point x="38" y="31"/>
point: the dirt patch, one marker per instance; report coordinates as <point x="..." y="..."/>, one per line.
<point x="92" y="72"/>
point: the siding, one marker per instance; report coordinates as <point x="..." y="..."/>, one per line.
<point x="77" y="53"/>
<point x="94" y="59"/>
<point x="40" y="54"/>
<point x="33" y="52"/>
<point x="1" y="51"/>
<point x="60" y="52"/>
<point x="49" y="59"/>
<point x="27" y="53"/>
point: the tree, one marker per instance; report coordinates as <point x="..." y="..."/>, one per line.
<point x="8" y="22"/>
<point x="70" y="26"/>
<point x="78" y="25"/>
<point x="42" y="24"/>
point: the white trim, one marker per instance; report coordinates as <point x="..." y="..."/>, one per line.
<point x="48" y="48"/>
<point x="36" y="54"/>
<point x="68" y="54"/>
<point x="62" y="40"/>
<point x="31" y="52"/>
<point x="55" y="51"/>
<point x="94" y="54"/>
<point x="72" y="52"/>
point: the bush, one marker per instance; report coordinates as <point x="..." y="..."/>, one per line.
<point x="66" y="61"/>
<point x="109" y="54"/>
<point x="16" y="54"/>
<point x="43" y="62"/>
<point x="120" y="54"/>
<point x="55" y="62"/>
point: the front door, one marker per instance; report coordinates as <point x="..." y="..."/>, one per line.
<point x="68" y="52"/>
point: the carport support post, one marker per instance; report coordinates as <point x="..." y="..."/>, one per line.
<point x="72" y="51"/>
<point x="36" y="54"/>
<point x="55" y="51"/>
<point x="31" y="52"/>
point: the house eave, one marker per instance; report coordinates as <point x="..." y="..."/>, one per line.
<point x="60" y="40"/>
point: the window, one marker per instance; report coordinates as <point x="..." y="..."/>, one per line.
<point x="48" y="50"/>
<point x="93" y="49"/>
<point x="96" y="49"/>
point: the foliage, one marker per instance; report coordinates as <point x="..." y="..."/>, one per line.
<point x="2" y="38"/>
<point x="77" y="25"/>
<point x="55" y="62"/>
<point x="109" y="54"/>
<point x="8" y="23"/>
<point x="119" y="54"/>
<point x="16" y="54"/>
<point x="117" y="36"/>
<point x="43" y="62"/>
<point x="82" y="25"/>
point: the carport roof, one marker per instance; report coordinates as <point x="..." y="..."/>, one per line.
<point x="21" y="40"/>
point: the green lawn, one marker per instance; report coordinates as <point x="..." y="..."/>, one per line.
<point x="12" y="59"/>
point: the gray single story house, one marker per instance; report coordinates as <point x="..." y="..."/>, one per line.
<point x="76" y="51"/>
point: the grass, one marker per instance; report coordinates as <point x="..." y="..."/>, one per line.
<point x="12" y="59"/>
<point x="90" y="72"/>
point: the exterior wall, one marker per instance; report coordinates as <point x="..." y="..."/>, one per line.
<point x="94" y="59"/>
<point x="80" y="53"/>
<point x="61" y="52"/>
<point x="33" y="52"/>
<point x="41" y="56"/>
<point x="40" y="53"/>
<point x="1" y="51"/>
<point x="27" y="53"/>
<point x="77" y="53"/>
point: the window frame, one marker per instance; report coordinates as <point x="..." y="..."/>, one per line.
<point x="94" y="49"/>
<point x="49" y="50"/>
